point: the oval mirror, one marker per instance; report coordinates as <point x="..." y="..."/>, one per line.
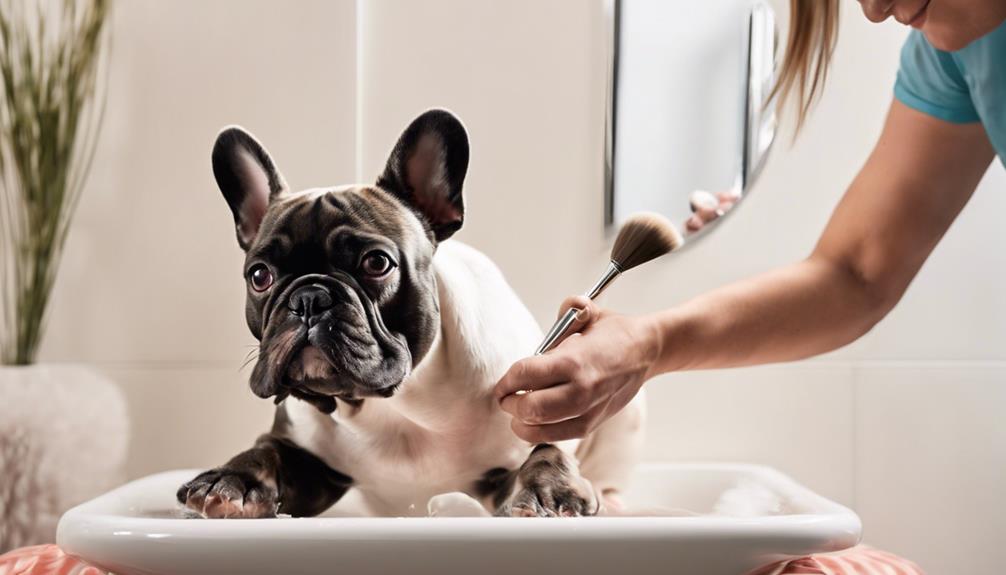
<point x="688" y="124"/>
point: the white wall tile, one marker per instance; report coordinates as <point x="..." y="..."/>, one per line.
<point x="183" y="417"/>
<point x="931" y="463"/>
<point x="795" y="418"/>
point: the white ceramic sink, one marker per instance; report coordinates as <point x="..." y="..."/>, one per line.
<point x="137" y="529"/>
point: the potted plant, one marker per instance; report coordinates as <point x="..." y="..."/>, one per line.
<point x="62" y="427"/>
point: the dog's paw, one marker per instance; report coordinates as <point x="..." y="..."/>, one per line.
<point x="227" y="493"/>
<point x="549" y="484"/>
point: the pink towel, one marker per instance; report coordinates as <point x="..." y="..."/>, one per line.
<point x="44" y="560"/>
<point x="859" y="560"/>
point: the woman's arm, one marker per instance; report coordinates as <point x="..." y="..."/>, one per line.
<point x="918" y="178"/>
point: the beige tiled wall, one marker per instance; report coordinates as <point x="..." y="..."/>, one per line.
<point x="930" y="465"/>
<point x="905" y="425"/>
<point x="797" y="418"/>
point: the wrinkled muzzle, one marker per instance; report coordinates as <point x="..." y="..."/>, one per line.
<point x="324" y="337"/>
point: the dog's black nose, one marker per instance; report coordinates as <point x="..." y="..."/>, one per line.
<point x="308" y="302"/>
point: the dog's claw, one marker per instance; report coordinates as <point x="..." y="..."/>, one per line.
<point x="549" y="485"/>
<point x="225" y="493"/>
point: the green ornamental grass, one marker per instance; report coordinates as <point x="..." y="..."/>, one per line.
<point x="50" y="115"/>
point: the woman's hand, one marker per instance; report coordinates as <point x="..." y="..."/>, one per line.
<point x="590" y="376"/>
<point x="707" y="207"/>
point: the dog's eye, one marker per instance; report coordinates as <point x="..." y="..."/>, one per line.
<point x="260" y="277"/>
<point x="377" y="264"/>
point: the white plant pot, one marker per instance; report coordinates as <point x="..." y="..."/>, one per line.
<point x="63" y="437"/>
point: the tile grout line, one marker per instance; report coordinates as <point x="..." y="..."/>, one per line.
<point x="358" y="80"/>
<point x="854" y="435"/>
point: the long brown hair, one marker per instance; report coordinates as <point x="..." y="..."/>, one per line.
<point x="813" y="30"/>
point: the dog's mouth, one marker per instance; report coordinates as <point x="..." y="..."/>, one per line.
<point x="309" y="367"/>
<point x="311" y="374"/>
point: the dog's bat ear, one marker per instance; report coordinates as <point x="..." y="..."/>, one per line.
<point x="427" y="168"/>
<point x="248" y="179"/>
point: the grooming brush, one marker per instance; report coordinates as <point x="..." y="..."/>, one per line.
<point x="642" y="238"/>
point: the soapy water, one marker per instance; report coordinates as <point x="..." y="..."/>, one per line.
<point x="745" y="499"/>
<point x="749" y="499"/>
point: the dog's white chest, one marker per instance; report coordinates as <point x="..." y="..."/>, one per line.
<point x="397" y="460"/>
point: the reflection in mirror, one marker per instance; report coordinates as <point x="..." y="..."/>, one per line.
<point x="688" y="126"/>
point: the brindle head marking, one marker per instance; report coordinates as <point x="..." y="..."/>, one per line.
<point x="341" y="291"/>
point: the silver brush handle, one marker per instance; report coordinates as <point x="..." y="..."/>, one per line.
<point x="558" y="328"/>
<point x="562" y="325"/>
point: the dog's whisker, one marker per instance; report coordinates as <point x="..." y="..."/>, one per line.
<point x="247" y="362"/>
<point x="252" y="356"/>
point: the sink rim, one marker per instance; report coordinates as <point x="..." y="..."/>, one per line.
<point x="822" y="513"/>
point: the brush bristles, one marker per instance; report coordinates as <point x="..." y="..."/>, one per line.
<point x="642" y="238"/>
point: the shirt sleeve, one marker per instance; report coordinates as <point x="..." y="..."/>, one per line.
<point x="930" y="81"/>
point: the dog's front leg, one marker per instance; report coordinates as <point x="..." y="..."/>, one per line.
<point x="548" y="484"/>
<point x="275" y="476"/>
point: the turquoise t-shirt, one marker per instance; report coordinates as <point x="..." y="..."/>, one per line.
<point x="965" y="86"/>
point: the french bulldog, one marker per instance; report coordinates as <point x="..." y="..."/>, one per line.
<point x="380" y="341"/>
